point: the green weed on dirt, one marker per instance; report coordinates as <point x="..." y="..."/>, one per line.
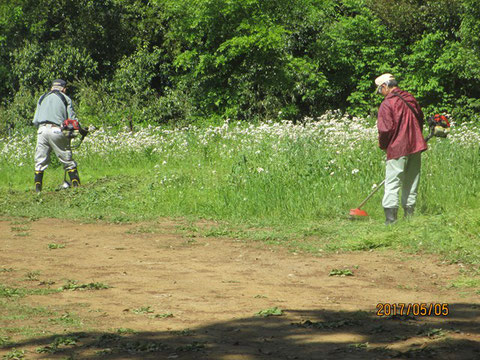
<point x="74" y="285"/>
<point x="274" y="311"/>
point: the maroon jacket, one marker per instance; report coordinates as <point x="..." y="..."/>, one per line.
<point x="399" y="131"/>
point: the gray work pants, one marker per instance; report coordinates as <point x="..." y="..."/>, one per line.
<point x="50" y="137"/>
<point x="402" y="174"/>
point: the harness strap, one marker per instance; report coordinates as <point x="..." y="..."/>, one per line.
<point x="410" y="106"/>
<point x="60" y="95"/>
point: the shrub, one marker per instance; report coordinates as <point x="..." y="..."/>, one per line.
<point x="35" y="65"/>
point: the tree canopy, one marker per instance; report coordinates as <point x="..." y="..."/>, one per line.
<point x="164" y="61"/>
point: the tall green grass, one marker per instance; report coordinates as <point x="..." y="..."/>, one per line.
<point x="276" y="175"/>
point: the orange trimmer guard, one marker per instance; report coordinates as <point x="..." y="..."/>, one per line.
<point x="358" y="212"/>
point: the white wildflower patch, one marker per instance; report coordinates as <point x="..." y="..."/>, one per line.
<point x="465" y="135"/>
<point x="332" y="134"/>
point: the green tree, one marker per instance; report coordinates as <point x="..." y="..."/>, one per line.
<point x="161" y="60"/>
<point x="358" y="47"/>
<point x="43" y="28"/>
<point x="35" y="66"/>
<point x="238" y="58"/>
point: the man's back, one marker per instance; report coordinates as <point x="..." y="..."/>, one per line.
<point x="51" y="108"/>
<point x="400" y="131"/>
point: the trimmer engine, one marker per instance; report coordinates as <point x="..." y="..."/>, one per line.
<point x="439" y="126"/>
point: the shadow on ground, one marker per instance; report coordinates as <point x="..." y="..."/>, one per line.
<point x="296" y="334"/>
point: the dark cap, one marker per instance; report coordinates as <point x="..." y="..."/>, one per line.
<point x="59" y="82"/>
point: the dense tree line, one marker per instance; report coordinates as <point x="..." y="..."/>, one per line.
<point x="164" y="61"/>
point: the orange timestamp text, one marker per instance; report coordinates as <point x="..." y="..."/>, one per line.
<point x="415" y="309"/>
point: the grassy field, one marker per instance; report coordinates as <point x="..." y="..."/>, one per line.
<point x="276" y="184"/>
<point x="294" y="184"/>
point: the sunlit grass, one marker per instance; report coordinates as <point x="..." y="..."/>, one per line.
<point x="296" y="181"/>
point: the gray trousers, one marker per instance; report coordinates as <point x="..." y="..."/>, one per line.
<point x="50" y="137"/>
<point x="402" y="174"/>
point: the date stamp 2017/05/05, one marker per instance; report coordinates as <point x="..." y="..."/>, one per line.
<point x="415" y="309"/>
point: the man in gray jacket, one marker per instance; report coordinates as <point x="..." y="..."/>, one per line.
<point x="52" y="109"/>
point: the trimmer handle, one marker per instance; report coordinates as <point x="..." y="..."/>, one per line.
<point x="371" y="194"/>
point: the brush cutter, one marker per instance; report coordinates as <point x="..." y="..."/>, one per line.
<point x="71" y="129"/>
<point x="359" y="212"/>
<point x="439" y="126"/>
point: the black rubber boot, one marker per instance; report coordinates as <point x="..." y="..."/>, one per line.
<point x="408" y="211"/>
<point x="74" y="178"/>
<point x="390" y="215"/>
<point x="38" y="181"/>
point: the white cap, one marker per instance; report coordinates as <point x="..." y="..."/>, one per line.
<point x="382" y="79"/>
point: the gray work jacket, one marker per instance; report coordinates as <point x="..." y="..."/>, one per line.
<point x="53" y="110"/>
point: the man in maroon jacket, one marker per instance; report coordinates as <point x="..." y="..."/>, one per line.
<point x="400" y="123"/>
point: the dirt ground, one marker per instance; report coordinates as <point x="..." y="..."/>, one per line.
<point x="174" y="295"/>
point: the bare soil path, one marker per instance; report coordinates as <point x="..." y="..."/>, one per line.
<point x="173" y="296"/>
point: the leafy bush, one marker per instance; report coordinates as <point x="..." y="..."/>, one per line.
<point x="181" y="62"/>
<point x="21" y="111"/>
<point x="35" y="65"/>
<point x="134" y="75"/>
